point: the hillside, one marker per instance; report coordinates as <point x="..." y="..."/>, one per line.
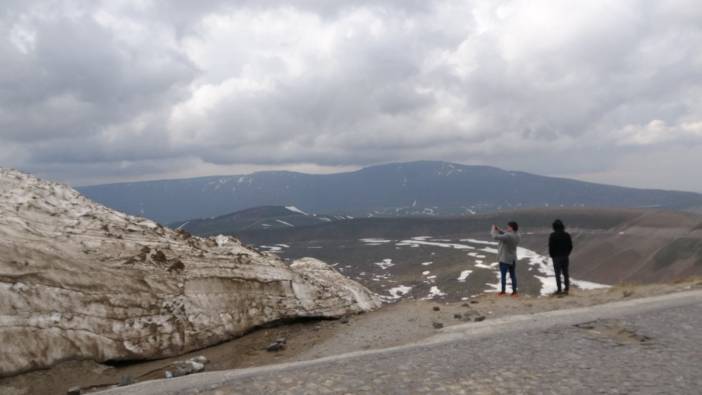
<point x="402" y="227"/>
<point x="611" y="246"/>
<point x="256" y="218"/>
<point x="415" y="188"/>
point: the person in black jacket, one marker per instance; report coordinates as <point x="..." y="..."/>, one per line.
<point x="560" y="245"/>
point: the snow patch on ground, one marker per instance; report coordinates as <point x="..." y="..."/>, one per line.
<point x="464" y="275"/>
<point x="474" y="241"/>
<point x="295" y="210"/>
<point x="385" y="264"/>
<point x="405" y="243"/>
<point x="541" y="264"/>
<point x="373" y="241"/>
<point x="544" y="266"/>
<point x="275" y="248"/>
<point x="399" y="291"/>
<point x="427" y="263"/>
<point x="582" y="284"/>
<point x="285" y="223"/>
<point x="434" y="291"/>
<point x="221" y="240"/>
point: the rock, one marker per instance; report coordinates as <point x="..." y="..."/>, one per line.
<point x="184" y="234"/>
<point x="73" y="391"/>
<point x="465" y="317"/>
<point x="344" y="320"/>
<point x="184" y="368"/>
<point x="436" y="308"/>
<point x="125" y="380"/>
<point x="159" y="256"/>
<point x="465" y="305"/>
<point x="176" y="266"/>
<point x="201" y="359"/>
<point x="437" y="325"/>
<point x="76" y="305"/>
<point x="479" y="318"/>
<point x="276" y="346"/>
<point x="474" y="302"/>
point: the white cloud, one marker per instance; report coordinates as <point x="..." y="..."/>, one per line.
<point x="146" y="86"/>
<point x="657" y="132"/>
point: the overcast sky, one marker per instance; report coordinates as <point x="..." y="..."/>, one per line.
<point x="103" y="91"/>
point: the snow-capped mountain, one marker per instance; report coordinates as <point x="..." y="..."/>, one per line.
<point x="415" y="188"/>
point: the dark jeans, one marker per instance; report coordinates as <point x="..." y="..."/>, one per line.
<point x="511" y="268"/>
<point x="560" y="266"/>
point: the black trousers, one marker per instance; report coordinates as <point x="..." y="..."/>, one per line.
<point x="560" y="266"/>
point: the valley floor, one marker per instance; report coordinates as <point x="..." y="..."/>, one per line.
<point x="404" y="322"/>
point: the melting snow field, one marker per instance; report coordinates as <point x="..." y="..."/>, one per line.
<point x="480" y="258"/>
<point x="542" y="266"/>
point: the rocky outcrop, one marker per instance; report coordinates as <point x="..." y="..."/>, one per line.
<point x="81" y="281"/>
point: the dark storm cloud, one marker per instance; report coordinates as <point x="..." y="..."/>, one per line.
<point x="129" y="88"/>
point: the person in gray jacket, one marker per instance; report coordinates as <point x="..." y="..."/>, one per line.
<point x="507" y="254"/>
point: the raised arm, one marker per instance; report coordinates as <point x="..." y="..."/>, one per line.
<point x="497" y="235"/>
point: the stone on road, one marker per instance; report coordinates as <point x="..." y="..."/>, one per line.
<point x="642" y="346"/>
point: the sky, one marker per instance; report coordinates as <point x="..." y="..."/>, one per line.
<point x="118" y="90"/>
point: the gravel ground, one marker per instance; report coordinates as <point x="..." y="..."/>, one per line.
<point x="393" y="325"/>
<point x="635" y="347"/>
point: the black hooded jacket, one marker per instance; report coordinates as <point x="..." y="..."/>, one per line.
<point x="560" y="244"/>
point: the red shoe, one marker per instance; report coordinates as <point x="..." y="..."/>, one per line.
<point x="515" y="294"/>
<point x="501" y="293"/>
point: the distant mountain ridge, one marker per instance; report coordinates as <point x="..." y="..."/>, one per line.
<point x="256" y="218"/>
<point x="400" y="189"/>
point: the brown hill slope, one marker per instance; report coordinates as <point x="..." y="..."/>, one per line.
<point x="611" y="245"/>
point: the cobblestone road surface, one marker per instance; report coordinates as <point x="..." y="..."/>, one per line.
<point x="652" y="352"/>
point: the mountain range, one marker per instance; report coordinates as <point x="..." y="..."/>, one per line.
<point x="424" y="188"/>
